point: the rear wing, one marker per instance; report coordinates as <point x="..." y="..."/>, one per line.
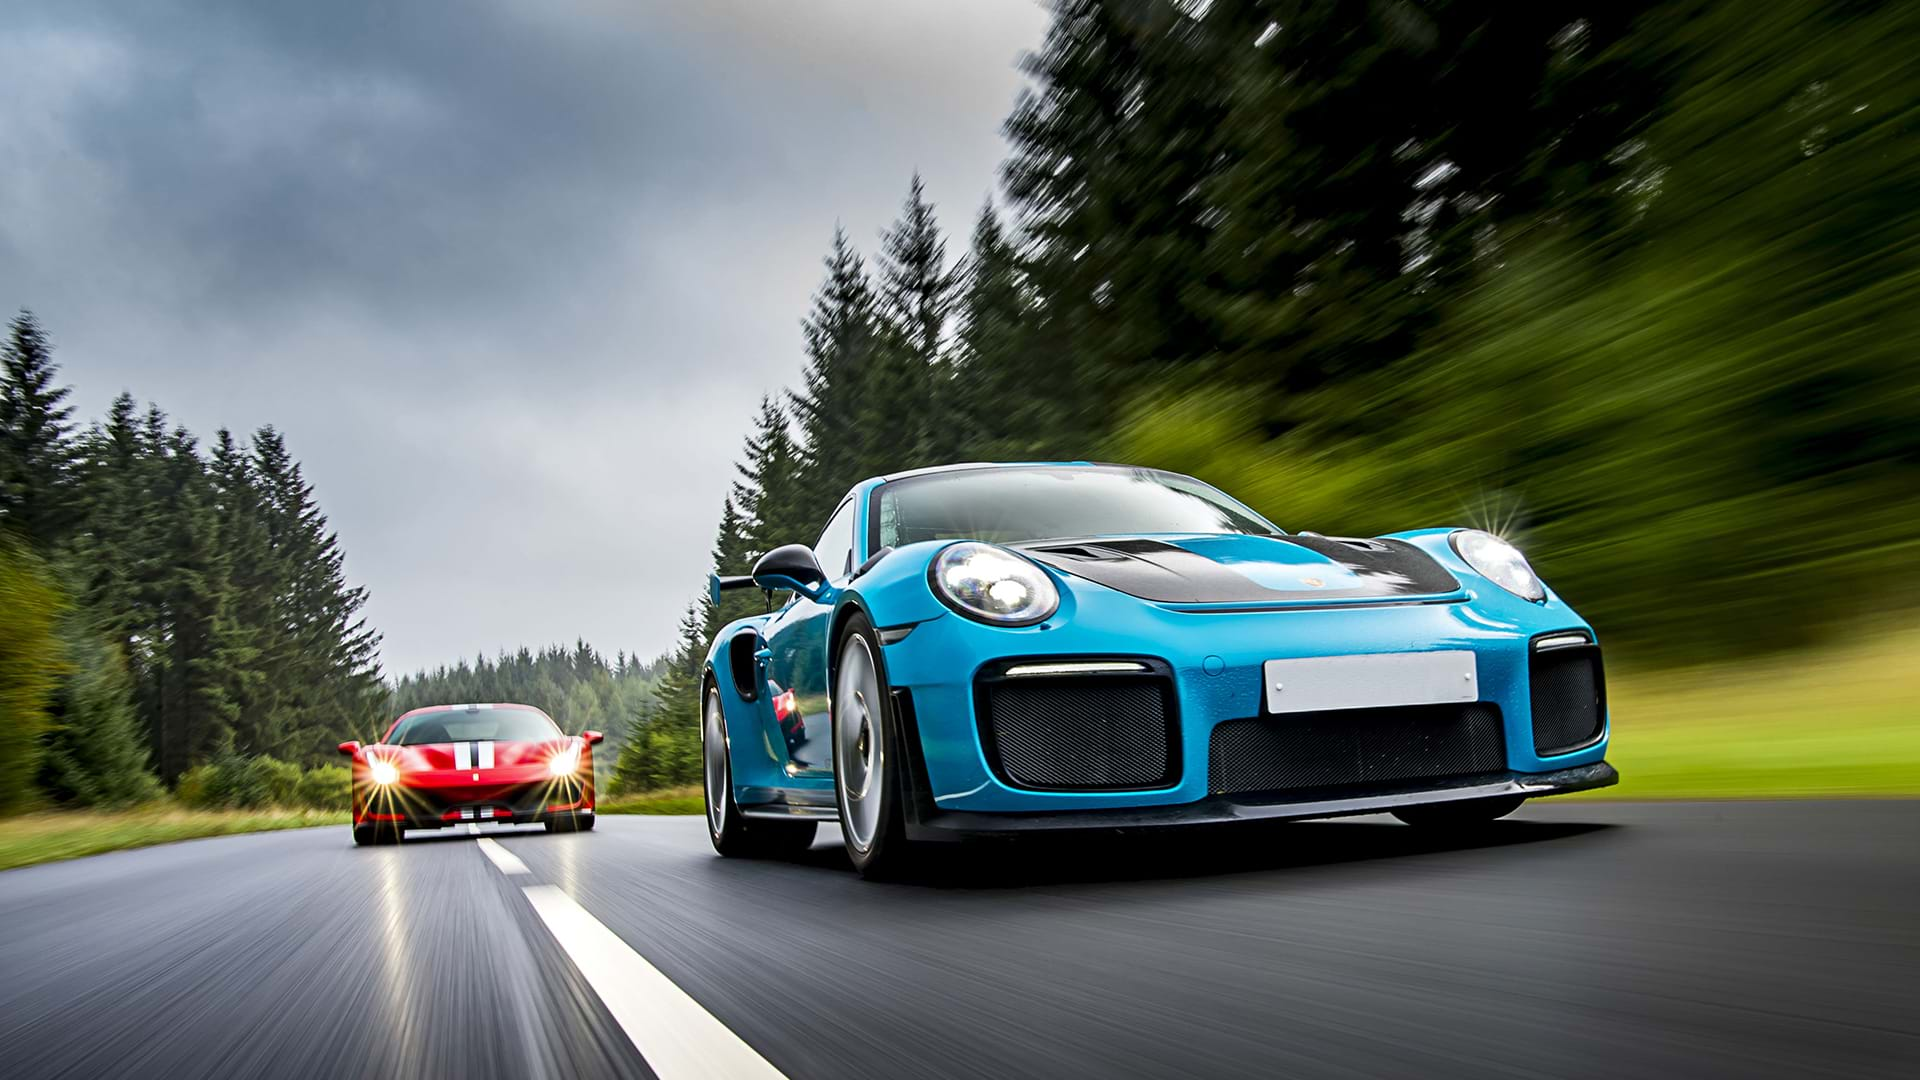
<point x="717" y="584"/>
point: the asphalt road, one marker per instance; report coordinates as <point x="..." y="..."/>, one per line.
<point x="1578" y="939"/>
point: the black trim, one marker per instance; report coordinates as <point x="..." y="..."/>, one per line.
<point x="1157" y="670"/>
<point x="1534" y="652"/>
<point x="1224" y="809"/>
<point x="1281" y="608"/>
<point x="742" y="667"/>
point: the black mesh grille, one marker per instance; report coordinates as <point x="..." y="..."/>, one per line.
<point x="1081" y="731"/>
<point x="1566" y="698"/>
<point x="1355" y="747"/>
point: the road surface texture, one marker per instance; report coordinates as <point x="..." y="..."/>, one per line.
<point x="1576" y="939"/>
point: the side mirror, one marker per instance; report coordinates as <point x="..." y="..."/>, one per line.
<point x="593" y="738"/>
<point x="350" y="748"/>
<point x="791" y="567"/>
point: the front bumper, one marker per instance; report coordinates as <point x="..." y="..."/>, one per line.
<point x="930" y="823"/>
<point x="1215" y="661"/>
<point x="427" y="805"/>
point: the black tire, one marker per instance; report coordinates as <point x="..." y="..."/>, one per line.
<point x="865" y="735"/>
<point x="376" y="833"/>
<point x="1460" y="814"/>
<point x="733" y="834"/>
<point x="569" y="823"/>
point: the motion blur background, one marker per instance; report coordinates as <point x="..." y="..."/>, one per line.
<point x="1636" y="285"/>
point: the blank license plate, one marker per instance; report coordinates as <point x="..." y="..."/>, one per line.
<point x="1373" y="681"/>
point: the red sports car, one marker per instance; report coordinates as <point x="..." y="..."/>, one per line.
<point x="446" y="764"/>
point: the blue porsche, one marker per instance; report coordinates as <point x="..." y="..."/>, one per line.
<point x="993" y="650"/>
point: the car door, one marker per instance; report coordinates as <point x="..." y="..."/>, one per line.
<point x="797" y="655"/>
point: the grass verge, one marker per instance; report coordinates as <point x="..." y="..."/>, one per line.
<point x="678" y="800"/>
<point x="1837" y="722"/>
<point x="50" y="835"/>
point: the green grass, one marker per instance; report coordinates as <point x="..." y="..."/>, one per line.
<point x="1836" y="722"/>
<point x="679" y="800"/>
<point x="68" y="834"/>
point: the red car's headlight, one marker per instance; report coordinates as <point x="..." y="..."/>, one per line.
<point x="564" y="762"/>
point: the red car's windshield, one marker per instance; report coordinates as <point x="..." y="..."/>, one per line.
<point x="498" y="724"/>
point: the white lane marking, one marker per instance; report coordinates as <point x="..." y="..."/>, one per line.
<point x="507" y="861"/>
<point x="678" y="1038"/>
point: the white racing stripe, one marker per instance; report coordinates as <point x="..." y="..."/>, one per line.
<point x="507" y="861"/>
<point x="678" y="1038"/>
<point x="486" y="755"/>
<point x="462" y="755"/>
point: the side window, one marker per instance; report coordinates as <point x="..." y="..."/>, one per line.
<point x="835" y="546"/>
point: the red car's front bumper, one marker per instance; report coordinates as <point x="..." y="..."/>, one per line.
<point x="434" y="799"/>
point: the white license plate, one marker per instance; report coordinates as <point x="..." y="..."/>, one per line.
<point x="1372" y="681"/>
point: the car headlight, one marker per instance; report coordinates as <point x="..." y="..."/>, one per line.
<point x="383" y="771"/>
<point x="993" y="585"/>
<point x="1499" y="562"/>
<point x="565" y="762"/>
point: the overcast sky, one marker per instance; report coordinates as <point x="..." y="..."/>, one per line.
<point x="511" y="276"/>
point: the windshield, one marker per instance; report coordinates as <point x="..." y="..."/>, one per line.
<point x="477" y="725"/>
<point x="1008" y="506"/>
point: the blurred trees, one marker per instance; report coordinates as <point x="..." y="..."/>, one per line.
<point x="1676" y="360"/>
<point x="198" y="603"/>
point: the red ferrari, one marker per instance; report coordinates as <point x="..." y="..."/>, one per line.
<point x="447" y="764"/>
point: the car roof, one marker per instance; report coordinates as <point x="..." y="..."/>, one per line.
<point x="965" y="465"/>
<point x="467" y="707"/>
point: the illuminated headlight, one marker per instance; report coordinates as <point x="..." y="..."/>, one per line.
<point x="564" y="763"/>
<point x="993" y="585"/>
<point x="383" y="771"/>
<point x="1499" y="562"/>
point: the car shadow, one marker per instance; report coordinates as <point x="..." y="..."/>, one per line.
<point x="1195" y="851"/>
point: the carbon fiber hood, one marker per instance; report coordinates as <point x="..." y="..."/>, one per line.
<point x="1242" y="569"/>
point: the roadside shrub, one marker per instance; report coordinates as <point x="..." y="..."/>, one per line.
<point x="233" y="781"/>
<point x="279" y="780"/>
<point x="329" y="787"/>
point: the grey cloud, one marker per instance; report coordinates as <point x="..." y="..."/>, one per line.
<point x="510" y="275"/>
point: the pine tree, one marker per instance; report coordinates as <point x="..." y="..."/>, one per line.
<point x="35" y="450"/>
<point x="767" y="494"/>
<point x="250" y="617"/>
<point x="842" y="435"/>
<point x="191" y="714"/>
<point x="1109" y="156"/>
<point x="1014" y="399"/>
<point x="917" y="294"/>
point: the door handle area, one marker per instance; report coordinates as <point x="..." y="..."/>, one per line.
<point x="763" y="655"/>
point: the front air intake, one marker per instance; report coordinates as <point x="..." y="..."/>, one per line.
<point x="1348" y="748"/>
<point x="1097" y="726"/>
<point x="1567" y="692"/>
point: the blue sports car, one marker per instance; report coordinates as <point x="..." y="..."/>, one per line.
<point x="998" y="649"/>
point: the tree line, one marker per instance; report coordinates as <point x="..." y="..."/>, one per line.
<point x="166" y="605"/>
<point x="579" y="687"/>
<point x="1634" y="283"/>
